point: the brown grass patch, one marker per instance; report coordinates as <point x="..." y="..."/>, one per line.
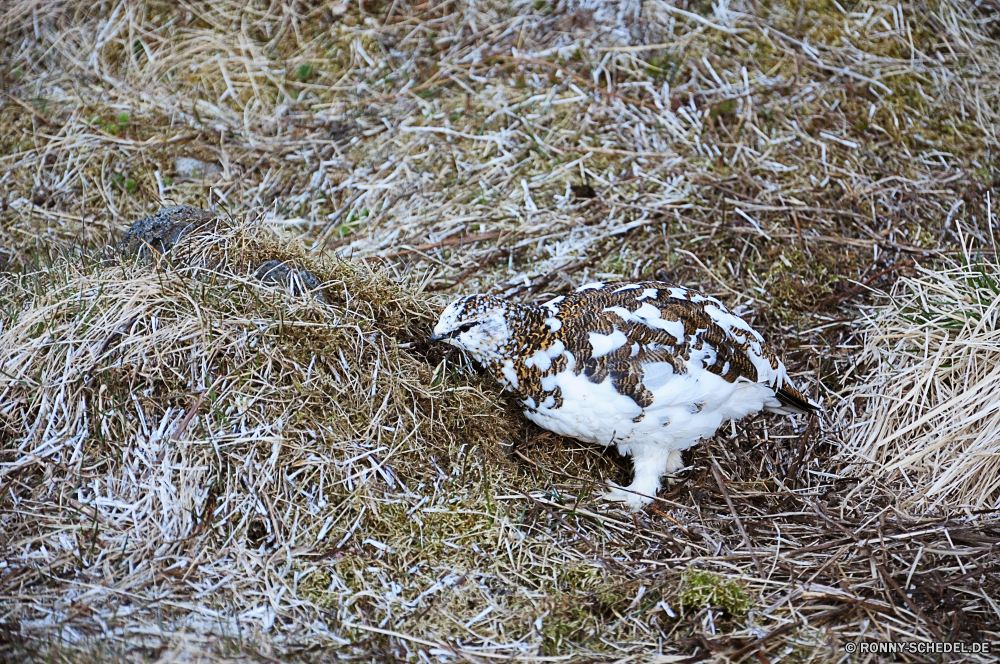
<point x="196" y="464"/>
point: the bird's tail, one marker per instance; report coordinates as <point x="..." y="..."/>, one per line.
<point x="792" y="402"/>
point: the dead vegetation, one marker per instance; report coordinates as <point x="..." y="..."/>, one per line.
<point x="929" y="369"/>
<point x="201" y="465"/>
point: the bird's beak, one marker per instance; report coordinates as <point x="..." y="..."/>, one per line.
<point x="446" y="336"/>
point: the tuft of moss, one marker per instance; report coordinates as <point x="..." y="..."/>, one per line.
<point x="700" y="589"/>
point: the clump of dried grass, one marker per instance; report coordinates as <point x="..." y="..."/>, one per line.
<point x="255" y="471"/>
<point x="926" y="404"/>
<point x="763" y="150"/>
<point x="206" y="427"/>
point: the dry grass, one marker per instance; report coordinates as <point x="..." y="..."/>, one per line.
<point x="197" y="465"/>
<point x="929" y="416"/>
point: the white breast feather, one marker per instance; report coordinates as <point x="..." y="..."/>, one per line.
<point x="606" y="343"/>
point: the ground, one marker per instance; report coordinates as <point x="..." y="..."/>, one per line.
<point x="200" y="466"/>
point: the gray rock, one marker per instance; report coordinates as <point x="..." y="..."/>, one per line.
<point x="293" y="278"/>
<point x="196" y="169"/>
<point x="161" y="231"/>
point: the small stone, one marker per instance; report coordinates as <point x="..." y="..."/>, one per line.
<point x="337" y="10"/>
<point x="161" y="231"/>
<point x="293" y="278"/>
<point x="196" y="169"/>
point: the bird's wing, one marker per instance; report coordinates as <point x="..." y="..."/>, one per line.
<point x="618" y="329"/>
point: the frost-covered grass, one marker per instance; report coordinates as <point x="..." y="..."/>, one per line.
<point x="199" y="466"/>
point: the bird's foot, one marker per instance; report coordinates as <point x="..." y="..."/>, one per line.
<point x="616" y="495"/>
<point x="675" y="462"/>
<point x="633" y="501"/>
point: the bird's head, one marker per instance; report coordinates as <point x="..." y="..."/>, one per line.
<point x="476" y="324"/>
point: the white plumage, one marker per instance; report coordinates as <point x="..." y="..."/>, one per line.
<point x="648" y="367"/>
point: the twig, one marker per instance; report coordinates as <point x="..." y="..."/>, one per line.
<point x="576" y="77"/>
<point x="34" y="112"/>
<point x="183" y="424"/>
<point x="837" y="299"/>
<point x="452" y="241"/>
<point x="717" y="473"/>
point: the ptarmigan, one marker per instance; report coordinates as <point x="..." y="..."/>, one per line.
<point x="648" y="366"/>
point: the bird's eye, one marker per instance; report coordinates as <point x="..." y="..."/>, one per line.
<point x="465" y="327"/>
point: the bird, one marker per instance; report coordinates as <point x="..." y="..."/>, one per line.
<point x="647" y="366"/>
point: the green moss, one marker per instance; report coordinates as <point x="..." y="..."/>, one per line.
<point x="664" y="68"/>
<point x="314" y="588"/>
<point x="571" y="624"/>
<point x="703" y="589"/>
<point x="723" y="109"/>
